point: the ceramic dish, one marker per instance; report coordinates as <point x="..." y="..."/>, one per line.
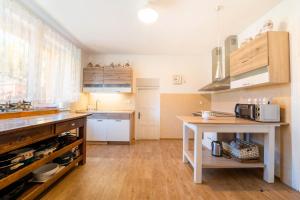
<point x="46" y="171"/>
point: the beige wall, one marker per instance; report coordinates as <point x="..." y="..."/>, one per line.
<point x="173" y="105"/>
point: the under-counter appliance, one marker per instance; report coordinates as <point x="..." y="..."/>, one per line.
<point x="258" y="112"/>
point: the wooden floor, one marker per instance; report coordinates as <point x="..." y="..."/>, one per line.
<point x="154" y="170"/>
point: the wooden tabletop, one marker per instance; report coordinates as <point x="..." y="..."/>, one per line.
<point x="225" y="121"/>
<point x="10" y="125"/>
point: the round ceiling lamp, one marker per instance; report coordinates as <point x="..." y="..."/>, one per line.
<point x="147" y="14"/>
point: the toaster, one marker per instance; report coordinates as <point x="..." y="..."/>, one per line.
<point x="246" y="111"/>
<point x="258" y="112"/>
<point x="267" y="113"/>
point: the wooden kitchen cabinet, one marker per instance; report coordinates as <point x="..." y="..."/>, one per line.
<point x="263" y="60"/>
<point x="117" y="76"/>
<point x="93" y="76"/>
<point x="107" y="79"/>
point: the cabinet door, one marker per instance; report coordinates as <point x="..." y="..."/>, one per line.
<point x="93" y="76"/>
<point x="252" y="56"/>
<point x="96" y="130"/>
<point x="118" y="130"/>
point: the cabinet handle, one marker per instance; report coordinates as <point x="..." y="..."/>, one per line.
<point x="99" y="120"/>
<point x="139" y="115"/>
<point x="118" y="120"/>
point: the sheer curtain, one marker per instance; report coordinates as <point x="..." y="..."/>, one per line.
<point x="36" y="63"/>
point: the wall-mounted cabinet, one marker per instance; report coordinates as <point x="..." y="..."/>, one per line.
<point x="93" y="77"/>
<point x="265" y="60"/>
<point x="107" y="79"/>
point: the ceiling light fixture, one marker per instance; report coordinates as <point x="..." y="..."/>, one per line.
<point x="147" y="14"/>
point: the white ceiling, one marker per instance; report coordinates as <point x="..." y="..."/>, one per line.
<point x="184" y="26"/>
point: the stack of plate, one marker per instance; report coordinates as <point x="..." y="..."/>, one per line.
<point x="45" y="172"/>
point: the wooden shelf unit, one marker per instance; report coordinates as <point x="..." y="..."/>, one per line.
<point x="29" y="168"/>
<point x="38" y="188"/>
<point x="209" y="161"/>
<point x="16" y="134"/>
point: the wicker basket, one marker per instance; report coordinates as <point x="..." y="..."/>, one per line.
<point x="241" y="150"/>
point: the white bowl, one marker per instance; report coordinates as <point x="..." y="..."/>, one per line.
<point x="46" y="171"/>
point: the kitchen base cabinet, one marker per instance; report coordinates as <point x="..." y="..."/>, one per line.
<point x="96" y="130"/>
<point x="118" y="130"/>
<point x="108" y="127"/>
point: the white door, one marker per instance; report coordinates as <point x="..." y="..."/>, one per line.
<point x="96" y="130"/>
<point x="118" y="130"/>
<point x="148" y="113"/>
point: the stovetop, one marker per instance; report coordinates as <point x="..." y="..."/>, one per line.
<point x="215" y="114"/>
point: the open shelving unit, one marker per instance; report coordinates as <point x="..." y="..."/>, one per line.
<point x="209" y="161"/>
<point x="38" y="130"/>
<point x="38" y="188"/>
<point x="29" y="168"/>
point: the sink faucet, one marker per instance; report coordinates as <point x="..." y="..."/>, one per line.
<point x="97" y="101"/>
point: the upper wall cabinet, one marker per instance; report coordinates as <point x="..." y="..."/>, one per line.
<point x="107" y="79"/>
<point x="265" y="60"/>
<point x="93" y="77"/>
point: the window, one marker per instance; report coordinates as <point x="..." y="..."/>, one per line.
<point x="36" y="64"/>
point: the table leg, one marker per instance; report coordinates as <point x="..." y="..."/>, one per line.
<point x="269" y="155"/>
<point x="198" y="156"/>
<point x="185" y="142"/>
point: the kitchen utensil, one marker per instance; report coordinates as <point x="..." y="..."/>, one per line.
<point x="7" y="159"/>
<point x="44" y="152"/>
<point x="216" y="149"/>
<point x="64" y="159"/>
<point x="23" y="154"/>
<point x="9" y="168"/>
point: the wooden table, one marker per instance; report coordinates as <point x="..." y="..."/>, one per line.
<point x="20" y="132"/>
<point x="200" y="158"/>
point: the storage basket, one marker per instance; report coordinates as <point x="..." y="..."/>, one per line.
<point x="241" y="150"/>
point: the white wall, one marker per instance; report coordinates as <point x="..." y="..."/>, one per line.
<point x="286" y="17"/>
<point x="196" y="70"/>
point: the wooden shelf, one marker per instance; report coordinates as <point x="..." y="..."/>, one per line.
<point x="209" y="161"/>
<point x="37" y="189"/>
<point x="29" y="168"/>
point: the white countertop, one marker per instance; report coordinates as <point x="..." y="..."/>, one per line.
<point x="106" y="111"/>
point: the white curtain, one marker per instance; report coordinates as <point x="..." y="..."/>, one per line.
<point x="36" y="63"/>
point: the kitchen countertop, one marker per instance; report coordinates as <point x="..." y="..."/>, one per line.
<point x="106" y="111"/>
<point x="225" y="121"/>
<point x="14" y="124"/>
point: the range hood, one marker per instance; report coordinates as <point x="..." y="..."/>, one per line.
<point x="222" y="83"/>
